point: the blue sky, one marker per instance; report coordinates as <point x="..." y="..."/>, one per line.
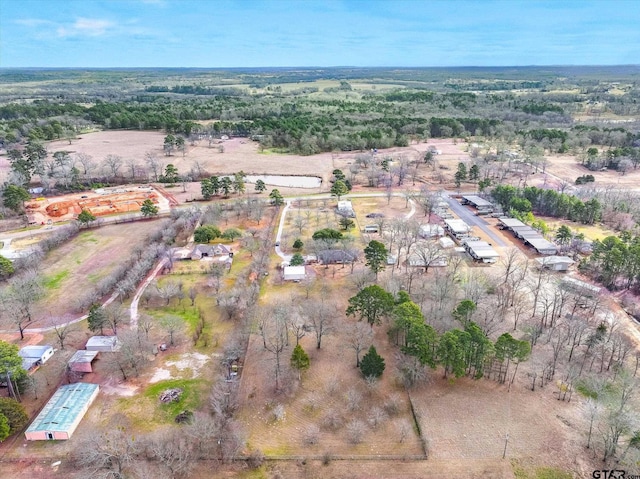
<point x="252" y="33"/>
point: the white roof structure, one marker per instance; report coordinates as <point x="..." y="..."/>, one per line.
<point x="511" y="222"/>
<point x="102" y="343"/>
<point x="345" y="205"/>
<point x="529" y="236"/>
<point x="457" y="226"/>
<point x="481" y="250"/>
<point x="477" y="201"/>
<point x="549" y="260"/>
<point x="34" y="355"/>
<point x="580" y="286"/>
<point x="294" y="273"/>
<point x="445" y="242"/>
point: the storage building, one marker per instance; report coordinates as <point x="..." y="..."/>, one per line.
<point x="62" y="414"/>
<point x="105" y="344"/>
<point x="481" y="251"/>
<point x="294" y="273"/>
<point x="34" y="356"/>
<point x="555" y="263"/>
<point x="457" y="228"/>
<point x="81" y="361"/>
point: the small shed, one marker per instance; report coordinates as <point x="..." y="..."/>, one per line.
<point x="555" y="263"/>
<point x="294" y="273"/>
<point x="81" y="361"/>
<point x="34" y="356"/>
<point x="372" y="228"/>
<point x="345" y="208"/>
<point x="62" y="414"/>
<point x="445" y="242"/>
<point x="105" y="344"/>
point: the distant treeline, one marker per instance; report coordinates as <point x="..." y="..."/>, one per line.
<point x="196" y="90"/>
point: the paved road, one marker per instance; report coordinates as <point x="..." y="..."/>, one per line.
<point x="471" y="219"/>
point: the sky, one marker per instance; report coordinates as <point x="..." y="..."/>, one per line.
<point x="306" y="33"/>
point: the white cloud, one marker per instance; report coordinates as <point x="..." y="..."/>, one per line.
<point x="91" y="27"/>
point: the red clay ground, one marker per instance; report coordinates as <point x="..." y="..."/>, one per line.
<point x="103" y="202"/>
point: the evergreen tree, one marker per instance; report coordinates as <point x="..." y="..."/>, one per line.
<point x="339" y="189"/>
<point x="85" y="217"/>
<point x="96" y="319"/>
<point x="276" y="197"/>
<point x="300" y="360"/>
<point x="372" y="364"/>
<point x="148" y="209"/>
<point x="296" y="260"/>
<point x="376" y="255"/>
<point x="15" y="414"/>
<point x="4" y="427"/>
<point x="260" y="186"/>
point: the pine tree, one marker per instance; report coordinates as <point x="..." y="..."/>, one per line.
<point x="372" y="364"/>
<point x="300" y="360"/>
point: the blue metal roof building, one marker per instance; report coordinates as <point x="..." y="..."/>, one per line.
<point x="61" y="415"/>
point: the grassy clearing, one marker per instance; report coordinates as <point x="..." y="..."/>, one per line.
<point x="81" y="263"/>
<point x="590" y="232"/>
<point x="214" y="328"/>
<point x="147" y="412"/>
<point x="527" y="472"/>
<point x="53" y="281"/>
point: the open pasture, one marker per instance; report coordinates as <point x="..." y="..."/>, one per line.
<point x="76" y="267"/>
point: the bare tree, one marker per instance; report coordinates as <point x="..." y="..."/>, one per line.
<point x="427" y="253"/>
<point x="154" y="164"/>
<point x="276" y="337"/>
<point x="356" y="429"/>
<point x="172" y="325"/>
<point x="224" y="400"/>
<point x="168" y="290"/>
<point x="404" y="429"/>
<point x="18" y="299"/>
<point x="113" y="164"/>
<point x="116" y="315"/>
<point x="376" y="416"/>
<point x="173" y="450"/>
<point x="298" y="326"/>
<point x="311" y="435"/>
<point x="107" y="454"/>
<point x="321" y="319"/>
<point x="87" y="163"/>
<point x="359" y="338"/>
<point x="63" y="330"/>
